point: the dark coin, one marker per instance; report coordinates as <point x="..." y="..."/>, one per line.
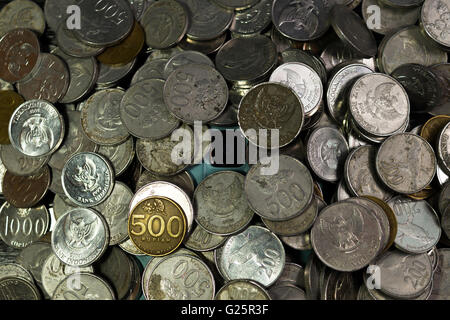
<point x="13" y="288"/>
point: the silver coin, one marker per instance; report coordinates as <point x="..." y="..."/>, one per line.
<point x="304" y="80"/>
<point x="139" y="7"/>
<point x="406" y="163"/>
<point x="196" y="92"/>
<point x="14" y="270"/>
<point x="168" y="53"/>
<point x="441" y="280"/>
<point x="14" y="288"/>
<point x="286" y="291"/>
<point x="56" y="183"/>
<point x="32" y="258"/>
<point x="242" y="290"/>
<point x="83" y="286"/>
<point x="21" y="227"/>
<point x="109" y="75"/>
<point x="61" y="204"/>
<point x="169" y="190"/>
<point x="182" y="180"/>
<point x="87" y="179"/>
<point x="70" y="45"/>
<point x="404" y="276"/>
<point x="169" y="279"/>
<point x="56" y="12"/>
<point x="243" y="256"/>
<point x="443" y="148"/>
<point x="292" y="273"/>
<point x="20" y="164"/>
<point x="144" y="112"/>
<point x="299" y="242"/>
<point x="75" y="141"/>
<point x="339" y="286"/>
<point x="100" y="118"/>
<point x="419" y="229"/>
<point x="346" y="237"/>
<point x="129" y="247"/>
<point x="36" y="128"/>
<point x="434" y="20"/>
<point x="444" y="198"/>
<point x="104" y="23"/>
<point x="22" y="14"/>
<point x="282" y="196"/>
<point x="354" y="140"/>
<point x="326" y="152"/>
<point x="221" y="204"/>
<point x="153" y="69"/>
<point x="201" y="239"/>
<point x="184" y="58"/>
<point x="156" y="155"/>
<point x="445" y="221"/>
<point x="115" y="211"/>
<point x="80" y="238"/>
<point x="252" y="20"/>
<point x="361" y="176"/>
<point x="342" y="192"/>
<point x="312" y="271"/>
<point x="121" y="156"/>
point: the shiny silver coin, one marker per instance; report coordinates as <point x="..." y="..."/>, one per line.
<point x="221" y="204"/>
<point x="281" y="196"/>
<point x="242" y="290"/>
<point x="61" y="205"/>
<point x="80" y="237"/>
<point x="443" y="148"/>
<point x="100" y="118"/>
<point x="22" y="14"/>
<point x="419" y="229"/>
<point x="14" y="288"/>
<point x="406" y="163"/>
<point x="87" y="179"/>
<point x="196" y="92"/>
<point x="144" y="112"/>
<point x="70" y="45"/>
<point x="20" y="164"/>
<point x="185" y="58"/>
<point x="346" y="237"/>
<point x="170" y="276"/>
<point x="326" y="152"/>
<point x="286" y="291"/>
<point x="253" y="20"/>
<point x="93" y="288"/>
<point x="121" y="156"/>
<point x="201" y="240"/>
<point x="22" y="227"/>
<point x="153" y="69"/>
<point x="182" y="180"/>
<point x="14" y="270"/>
<point x="36" y="128"/>
<point x="441" y="278"/>
<point x="109" y="75"/>
<point x="255" y="254"/>
<point x="433" y="18"/>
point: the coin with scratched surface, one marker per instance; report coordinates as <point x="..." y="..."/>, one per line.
<point x="87" y="179"/>
<point x="121" y="156"/>
<point x="252" y="20"/>
<point x="419" y="229"/>
<point x="22" y="14"/>
<point x="14" y="270"/>
<point x="94" y="288"/>
<point x="202" y="240"/>
<point x="20" y="164"/>
<point x="242" y="290"/>
<point x="144" y="112"/>
<point x="406" y="163"/>
<point x="441" y="277"/>
<point x="221" y="204"/>
<point x="282" y="196"/>
<point x="434" y="20"/>
<point x="443" y="148"/>
<point x="13" y="288"/>
<point x="153" y="69"/>
<point x="346" y="237"/>
<point x="21" y="227"/>
<point x="184" y="58"/>
<point x="80" y="237"/>
<point x="9" y="100"/>
<point x="70" y="45"/>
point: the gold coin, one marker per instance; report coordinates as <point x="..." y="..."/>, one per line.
<point x="157" y="226"/>
<point x="423" y="194"/>
<point x="433" y="127"/>
<point x="9" y="101"/>
<point x="127" y="50"/>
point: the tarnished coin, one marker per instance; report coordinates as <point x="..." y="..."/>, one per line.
<point x="406" y="163"/>
<point x="221" y="204"/>
<point x="340" y="286"/>
<point x="242" y="290"/>
<point x="252" y="20"/>
<point x="14" y="270"/>
<point x="14" y="288"/>
<point x="312" y="270"/>
<point x="87" y="179"/>
<point x="346" y="237"/>
<point x="20" y="164"/>
<point x="205" y="47"/>
<point x="56" y="12"/>
<point x="165" y="23"/>
<point x="243" y="255"/>
<point x="434" y="20"/>
<point x="168" y="279"/>
<point x="419" y="229"/>
<point x="121" y="156"/>
<point x="443" y="148"/>
<point x="207" y="20"/>
<point x="299" y="242"/>
<point x="202" y="240"/>
<point x="246" y="59"/>
<point x="444" y="198"/>
<point x="379" y="104"/>
<point x="70" y="45"/>
<point x="61" y="204"/>
<point x="9" y="100"/>
<point x="282" y="196"/>
<point x="185" y="58"/>
<point x="32" y="258"/>
<point x="404" y="276"/>
<point x="100" y="118"/>
<point x="109" y="75"/>
<point x="26" y="191"/>
<point x="19" y="52"/>
<point x="301" y="21"/>
<point x="442" y="71"/>
<point x="236" y="4"/>
<point x="271" y="106"/>
<point x="48" y="81"/>
<point x="80" y="237"/>
<point x="326" y="152"/>
<point x="163" y="53"/>
<point x="157" y="226"/>
<point x="286" y="291"/>
<point x="182" y="180"/>
<point x="156" y="155"/>
<point x="56" y="183"/>
<point x="36" y="128"/>
<point x="292" y="273"/>
<point x="22" y="14"/>
<point x="402" y="3"/>
<point x="144" y="112"/>
<point x="22" y="227"/>
<point x="441" y="280"/>
<point x="445" y="221"/>
<point x="104" y="23"/>
<point x="153" y="69"/>
<point x="83" y="286"/>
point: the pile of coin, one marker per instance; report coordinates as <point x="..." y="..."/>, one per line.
<point x="94" y="206"/>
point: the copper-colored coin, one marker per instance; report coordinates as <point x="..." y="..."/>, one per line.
<point x="432" y="128"/>
<point x="318" y="191"/>
<point x="9" y="101"/>
<point x="26" y="191"/>
<point x="127" y="50"/>
<point x="391" y="218"/>
<point x="423" y="194"/>
<point x="157" y="226"/>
